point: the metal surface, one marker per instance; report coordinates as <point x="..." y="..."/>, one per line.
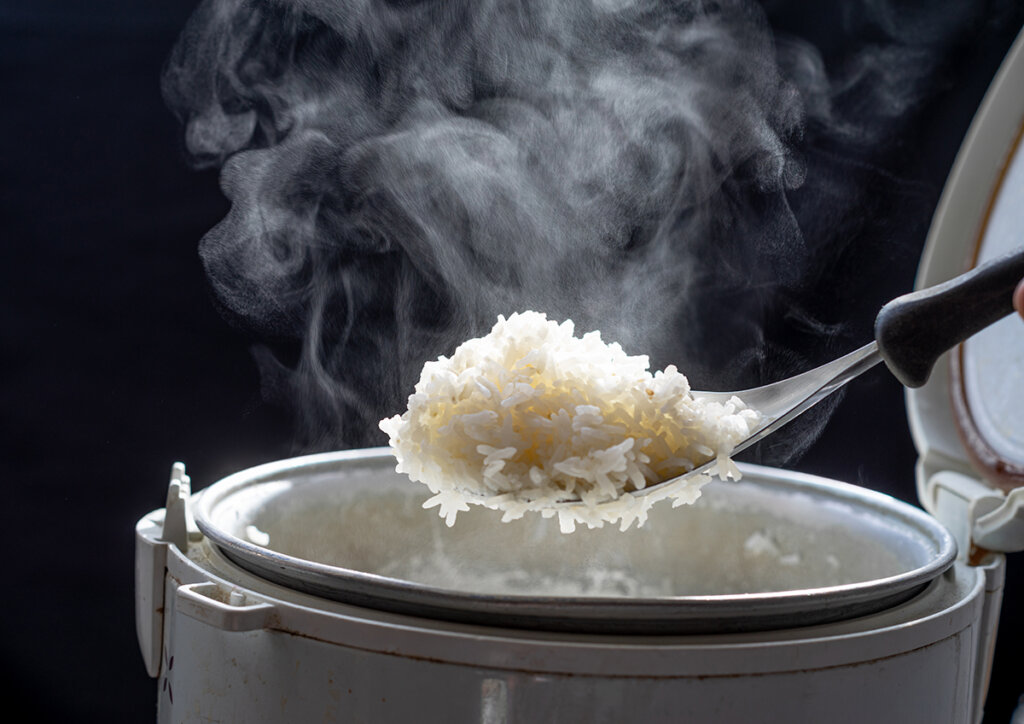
<point x="782" y="402"/>
<point x="337" y="523"/>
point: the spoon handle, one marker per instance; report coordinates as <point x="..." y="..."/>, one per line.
<point x="914" y="330"/>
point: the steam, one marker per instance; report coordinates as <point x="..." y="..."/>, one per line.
<point x="402" y="172"/>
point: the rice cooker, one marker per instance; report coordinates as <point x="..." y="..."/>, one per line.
<point x="316" y="589"/>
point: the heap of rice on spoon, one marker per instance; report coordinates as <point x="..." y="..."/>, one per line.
<point x="531" y="416"/>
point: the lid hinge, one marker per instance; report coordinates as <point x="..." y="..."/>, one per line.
<point x="975" y="514"/>
<point x="1003" y="528"/>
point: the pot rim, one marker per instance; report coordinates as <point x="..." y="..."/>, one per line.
<point x="713" y="613"/>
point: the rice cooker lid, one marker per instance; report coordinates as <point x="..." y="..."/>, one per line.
<point x="968" y="420"/>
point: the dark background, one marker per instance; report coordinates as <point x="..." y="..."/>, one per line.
<point x="114" y="362"/>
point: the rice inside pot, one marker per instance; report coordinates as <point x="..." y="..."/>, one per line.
<point x="531" y="415"/>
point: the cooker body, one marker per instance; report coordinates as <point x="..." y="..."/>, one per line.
<point x="229" y="642"/>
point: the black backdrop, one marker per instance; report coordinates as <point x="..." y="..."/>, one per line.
<point x="113" y="362"/>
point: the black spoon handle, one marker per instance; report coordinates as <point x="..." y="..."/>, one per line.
<point x="914" y="330"/>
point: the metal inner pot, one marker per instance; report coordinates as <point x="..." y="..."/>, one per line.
<point x="774" y="550"/>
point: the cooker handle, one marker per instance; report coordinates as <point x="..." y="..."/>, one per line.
<point x="226" y="609"/>
<point x="914" y="330"/>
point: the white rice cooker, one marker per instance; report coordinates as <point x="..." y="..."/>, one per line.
<point x="316" y="589"/>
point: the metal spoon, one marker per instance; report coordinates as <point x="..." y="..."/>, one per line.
<point x="911" y="333"/>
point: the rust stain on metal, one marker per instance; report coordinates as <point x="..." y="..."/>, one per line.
<point x="977" y="555"/>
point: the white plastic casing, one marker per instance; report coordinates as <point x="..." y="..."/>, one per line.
<point x="978" y="514"/>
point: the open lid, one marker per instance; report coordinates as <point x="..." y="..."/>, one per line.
<point x="968" y="421"/>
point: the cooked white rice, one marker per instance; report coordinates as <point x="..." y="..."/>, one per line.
<point x="531" y="415"/>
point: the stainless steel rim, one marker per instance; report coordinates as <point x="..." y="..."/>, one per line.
<point x="661" y="615"/>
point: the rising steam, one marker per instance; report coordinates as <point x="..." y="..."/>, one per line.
<point x="402" y="172"/>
